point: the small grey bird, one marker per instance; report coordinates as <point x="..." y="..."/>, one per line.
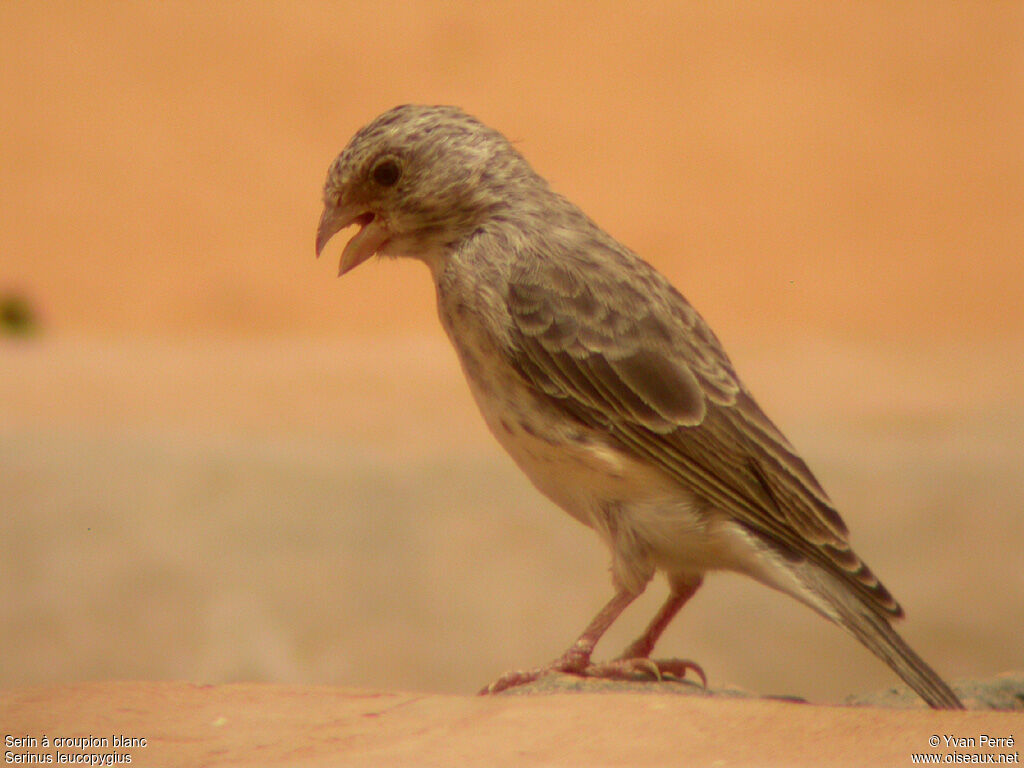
<point x="605" y="386"/>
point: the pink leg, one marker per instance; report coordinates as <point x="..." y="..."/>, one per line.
<point x="636" y="658"/>
<point x="577" y="658"/>
<point x="641" y="647"/>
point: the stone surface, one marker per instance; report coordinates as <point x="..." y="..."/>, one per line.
<point x="1003" y="692"/>
<point x="185" y="724"/>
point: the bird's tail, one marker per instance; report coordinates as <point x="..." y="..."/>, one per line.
<point x="872" y="628"/>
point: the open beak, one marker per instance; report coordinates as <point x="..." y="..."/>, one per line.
<point x="372" y="234"/>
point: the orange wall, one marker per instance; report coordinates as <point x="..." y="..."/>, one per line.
<point x="857" y="169"/>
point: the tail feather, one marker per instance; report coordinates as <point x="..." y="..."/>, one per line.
<point x="866" y="622"/>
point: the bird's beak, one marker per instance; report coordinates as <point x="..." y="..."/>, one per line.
<point x="371" y="236"/>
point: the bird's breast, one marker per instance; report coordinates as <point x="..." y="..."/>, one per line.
<point x="581" y="469"/>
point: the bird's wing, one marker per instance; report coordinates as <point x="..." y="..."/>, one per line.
<point x="624" y="352"/>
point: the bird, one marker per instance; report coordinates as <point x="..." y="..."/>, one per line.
<point x="606" y="387"/>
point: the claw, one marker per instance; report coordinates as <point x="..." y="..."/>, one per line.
<point x="512" y="679"/>
<point x="656" y="669"/>
<point x="650" y="666"/>
<point x="625" y="669"/>
<point x="678" y="668"/>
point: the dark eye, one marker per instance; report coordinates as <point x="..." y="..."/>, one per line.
<point x="386" y="172"/>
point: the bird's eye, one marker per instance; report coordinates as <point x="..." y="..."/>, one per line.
<point x="386" y="172"/>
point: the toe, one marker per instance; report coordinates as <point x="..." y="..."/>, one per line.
<point x="679" y="668"/>
<point x="509" y="680"/>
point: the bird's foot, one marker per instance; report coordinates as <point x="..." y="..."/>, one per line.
<point x="617" y="669"/>
<point x="644" y="667"/>
<point x="570" y="663"/>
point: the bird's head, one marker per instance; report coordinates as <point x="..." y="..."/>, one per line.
<point x="416" y="180"/>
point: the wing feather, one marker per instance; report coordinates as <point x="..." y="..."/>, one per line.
<point x="643" y="366"/>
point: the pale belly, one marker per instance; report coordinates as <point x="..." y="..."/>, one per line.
<point x="646" y="518"/>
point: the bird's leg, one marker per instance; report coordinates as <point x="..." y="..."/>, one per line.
<point x="576" y="660"/>
<point x="641" y="647"/>
<point x="636" y="658"/>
